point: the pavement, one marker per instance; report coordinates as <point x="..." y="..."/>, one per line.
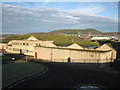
<point x="67" y="75"/>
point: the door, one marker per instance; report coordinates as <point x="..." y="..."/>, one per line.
<point x="20" y="51"/>
<point x="69" y="60"/>
<point x="35" y="54"/>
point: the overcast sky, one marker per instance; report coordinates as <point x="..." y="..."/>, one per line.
<point x="25" y="17"/>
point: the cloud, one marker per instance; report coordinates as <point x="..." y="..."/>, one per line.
<point x="89" y="10"/>
<point x="46" y="2"/>
<point x="20" y="19"/>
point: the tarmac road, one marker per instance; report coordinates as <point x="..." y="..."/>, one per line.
<point x="61" y="75"/>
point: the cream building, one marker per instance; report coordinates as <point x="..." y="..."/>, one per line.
<point x="46" y="50"/>
<point x="26" y="46"/>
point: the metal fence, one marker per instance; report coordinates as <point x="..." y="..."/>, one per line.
<point x="83" y="60"/>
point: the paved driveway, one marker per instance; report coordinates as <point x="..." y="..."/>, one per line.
<point x="60" y="75"/>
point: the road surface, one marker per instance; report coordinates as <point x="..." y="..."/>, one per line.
<point x="62" y="75"/>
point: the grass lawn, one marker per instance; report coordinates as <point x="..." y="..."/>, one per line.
<point x="18" y="70"/>
<point x="6" y="59"/>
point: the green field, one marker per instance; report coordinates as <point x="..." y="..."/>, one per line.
<point x="59" y="40"/>
<point x="76" y="31"/>
<point x="61" y="37"/>
<point x="18" y="70"/>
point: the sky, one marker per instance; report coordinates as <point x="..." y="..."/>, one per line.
<point x="28" y="17"/>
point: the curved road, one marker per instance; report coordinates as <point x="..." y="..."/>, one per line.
<point x="61" y="75"/>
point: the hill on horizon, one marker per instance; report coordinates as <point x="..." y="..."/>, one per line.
<point x="76" y="31"/>
<point x="67" y="31"/>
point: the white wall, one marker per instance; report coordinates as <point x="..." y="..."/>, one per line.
<point x="61" y="55"/>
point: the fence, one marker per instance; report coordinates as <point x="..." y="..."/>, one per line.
<point x="82" y="60"/>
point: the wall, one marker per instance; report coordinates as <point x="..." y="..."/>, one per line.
<point x="61" y="55"/>
<point x="108" y="56"/>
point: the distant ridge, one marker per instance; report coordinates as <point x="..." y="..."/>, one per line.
<point x="72" y="31"/>
<point x="76" y="31"/>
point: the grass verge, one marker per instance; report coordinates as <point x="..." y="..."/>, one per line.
<point x="19" y="70"/>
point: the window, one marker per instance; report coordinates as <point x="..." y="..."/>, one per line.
<point x="26" y="44"/>
<point x="15" y="49"/>
<point x="27" y="51"/>
<point x="30" y="51"/>
<point x="37" y="44"/>
<point x="14" y="43"/>
<point x="20" y="44"/>
<point x="23" y="43"/>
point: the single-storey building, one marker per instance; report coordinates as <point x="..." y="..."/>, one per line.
<point x="100" y="38"/>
